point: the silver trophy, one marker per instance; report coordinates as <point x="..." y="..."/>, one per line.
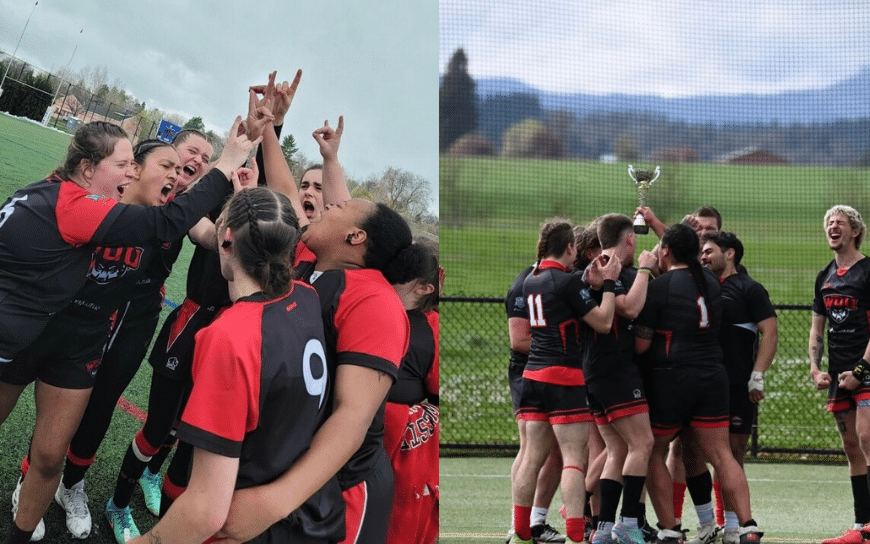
<point x="643" y="179"/>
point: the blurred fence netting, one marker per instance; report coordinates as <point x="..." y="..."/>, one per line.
<point x="543" y="108"/>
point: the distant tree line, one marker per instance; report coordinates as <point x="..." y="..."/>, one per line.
<point x="516" y="125"/>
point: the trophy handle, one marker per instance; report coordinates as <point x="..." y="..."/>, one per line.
<point x="658" y="173"/>
<point x="631" y="172"/>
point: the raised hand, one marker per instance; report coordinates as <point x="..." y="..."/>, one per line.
<point x="611" y="270"/>
<point x="329" y="139"/>
<point x="244" y="178"/>
<point x="647" y="259"/>
<point x="281" y="94"/>
<point x="237" y="149"/>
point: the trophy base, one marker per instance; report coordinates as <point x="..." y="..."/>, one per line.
<point x="641" y="229"/>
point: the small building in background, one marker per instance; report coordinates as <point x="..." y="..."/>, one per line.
<point x="753" y="156"/>
<point x="675" y="154"/>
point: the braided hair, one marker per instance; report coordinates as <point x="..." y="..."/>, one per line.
<point x="92" y="142"/>
<point x="556" y="235"/>
<point x="265" y="234"/>
<point x="682" y="242"/>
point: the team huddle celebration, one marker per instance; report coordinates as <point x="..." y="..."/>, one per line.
<point x="295" y="386"/>
<point x="632" y="385"/>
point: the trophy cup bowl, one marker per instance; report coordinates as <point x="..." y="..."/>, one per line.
<point x="643" y="179"/>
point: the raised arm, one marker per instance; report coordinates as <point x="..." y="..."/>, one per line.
<point x="278" y="175"/>
<point x="600" y="318"/>
<point x="630" y="304"/>
<point x="334" y="183"/>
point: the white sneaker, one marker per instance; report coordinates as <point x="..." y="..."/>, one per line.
<point x="39" y="532"/>
<point x="75" y="502"/>
<point x="706" y="534"/>
<point x="731" y="536"/>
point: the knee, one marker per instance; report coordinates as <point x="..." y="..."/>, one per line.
<point x="45" y="462"/>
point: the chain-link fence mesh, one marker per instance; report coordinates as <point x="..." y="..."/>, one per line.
<point x="477" y="414"/>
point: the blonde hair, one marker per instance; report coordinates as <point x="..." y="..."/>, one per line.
<point x="855" y="220"/>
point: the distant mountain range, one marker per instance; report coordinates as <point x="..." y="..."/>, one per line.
<point x="846" y="100"/>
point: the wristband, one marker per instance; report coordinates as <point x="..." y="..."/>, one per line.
<point x="861" y="370"/>
<point x="756" y="382"/>
<point x="645" y="270"/>
<point x="609" y="286"/>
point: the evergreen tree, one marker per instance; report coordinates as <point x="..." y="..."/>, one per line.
<point x="457" y="103"/>
<point x="288" y="147"/>
<point x="195" y="123"/>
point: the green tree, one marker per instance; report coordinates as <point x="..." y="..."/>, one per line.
<point x="195" y="123"/>
<point x="530" y="140"/>
<point x="457" y="103"/>
<point x="288" y="146"/>
<point x="626" y="148"/>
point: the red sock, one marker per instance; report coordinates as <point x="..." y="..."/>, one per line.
<point x="720" y="505"/>
<point x="522" y="518"/>
<point x="679" y="497"/>
<point x="575" y="528"/>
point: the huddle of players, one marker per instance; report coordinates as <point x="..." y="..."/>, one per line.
<point x="639" y="352"/>
<point x="260" y="235"/>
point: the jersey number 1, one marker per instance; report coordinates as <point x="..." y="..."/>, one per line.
<point x="535" y="306"/>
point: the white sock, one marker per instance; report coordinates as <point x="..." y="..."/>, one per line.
<point x="539" y="516"/>
<point x="706" y="516"/>
<point x="631" y="523"/>
<point x="731" y="521"/>
<point x="605" y="527"/>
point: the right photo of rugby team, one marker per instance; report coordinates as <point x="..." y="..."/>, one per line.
<point x="657" y="302"/>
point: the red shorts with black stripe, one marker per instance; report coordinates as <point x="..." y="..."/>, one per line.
<point x="556" y="404"/>
<point x="614" y="396"/>
<point x="695" y="396"/>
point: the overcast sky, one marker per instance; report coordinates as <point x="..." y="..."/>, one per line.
<point x="668" y="47"/>
<point x="374" y="62"/>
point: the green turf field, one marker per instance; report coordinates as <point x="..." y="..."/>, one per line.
<point x="790" y="502"/>
<point x="29" y="152"/>
<point x="491" y="211"/>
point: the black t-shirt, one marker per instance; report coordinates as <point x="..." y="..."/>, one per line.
<point x="515" y="305"/>
<point x="685" y="324"/>
<point x="843" y="297"/>
<point x="745" y="303"/>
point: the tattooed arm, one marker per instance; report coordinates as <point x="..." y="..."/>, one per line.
<point x="821" y="379"/>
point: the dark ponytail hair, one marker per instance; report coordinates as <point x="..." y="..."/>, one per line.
<point x="388" y="244"/>
<point x="265" y="234"/>
<point x="423" y="267"/>
<point x="92" y="142"/>
<point x="145" y="148"/>
<point x="682" y="242"/>
<point x="556" y="236"/>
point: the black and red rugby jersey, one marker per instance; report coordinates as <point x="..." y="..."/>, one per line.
<point x="365" y="325"/>
<point x="686" y="324"/>
<point x="47" y="233"/>
<point x="261" y="390"/>
<point x="602" y="350"/>
<point x="515" y="306"/>
<point x="745" y="303"/>
<point x="418" y="376"/>
<point x="843" y="297"/>
<point x="556" y="301"/>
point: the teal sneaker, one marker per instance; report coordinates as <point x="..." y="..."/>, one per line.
<point x="151" y="487"/>
<point x="121" y="522"/>
<point x="623" y="534"/>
